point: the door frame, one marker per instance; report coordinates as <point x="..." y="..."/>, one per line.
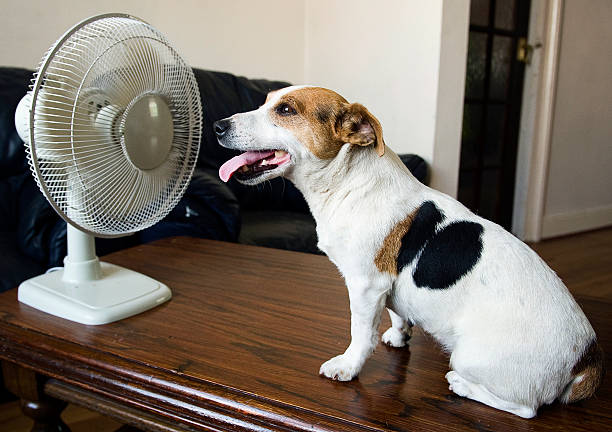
<point x="536" y="122"/>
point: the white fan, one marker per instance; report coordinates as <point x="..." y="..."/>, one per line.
<point x="112" y="130"/>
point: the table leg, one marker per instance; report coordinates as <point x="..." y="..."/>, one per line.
<point x="35" y="404"/>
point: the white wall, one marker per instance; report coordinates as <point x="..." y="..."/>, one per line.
<point x="384" y="55"/>
<point x="387" y="56"/>
<point x="579" y="188"/>
<point x="239" y="36"/>
<point x="403" y="59"/>
<point x="451" y="86"/>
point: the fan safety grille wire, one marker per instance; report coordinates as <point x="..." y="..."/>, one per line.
<point x="84" y="85"/>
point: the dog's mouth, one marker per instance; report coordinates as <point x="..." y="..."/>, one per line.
<point x="252" y="164"/>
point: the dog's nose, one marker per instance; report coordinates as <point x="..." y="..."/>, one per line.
<point x="221" y="127"/>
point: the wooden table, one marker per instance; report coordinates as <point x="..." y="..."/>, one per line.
<point x="239" y="348"/>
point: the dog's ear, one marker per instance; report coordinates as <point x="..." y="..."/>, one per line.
<point x="356" y="125"/>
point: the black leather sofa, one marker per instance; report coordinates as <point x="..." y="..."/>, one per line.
<point x="33" y="236"/>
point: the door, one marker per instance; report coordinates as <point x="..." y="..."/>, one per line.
<point x="494" y="83"/>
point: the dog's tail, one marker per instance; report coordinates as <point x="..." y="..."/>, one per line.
<point x="587" y="375"/>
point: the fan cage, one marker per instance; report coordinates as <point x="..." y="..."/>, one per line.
<point x="85" y="83"/>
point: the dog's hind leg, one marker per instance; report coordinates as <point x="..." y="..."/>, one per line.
<point x="400" y="331"/>
<point x="478" y="392"/>
<point x="367" y="298"/>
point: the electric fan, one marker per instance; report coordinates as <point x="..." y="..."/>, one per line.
<point x="112" y="132"/>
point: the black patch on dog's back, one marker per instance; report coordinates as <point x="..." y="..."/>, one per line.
<point x="423" y="227"/>
<point x="449" y="255"/>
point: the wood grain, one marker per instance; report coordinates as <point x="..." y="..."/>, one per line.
<point x="240" y="344"/>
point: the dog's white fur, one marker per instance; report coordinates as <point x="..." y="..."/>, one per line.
<point x="513" y="330"/>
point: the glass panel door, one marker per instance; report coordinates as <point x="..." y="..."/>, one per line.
<point x="493" y="92"/>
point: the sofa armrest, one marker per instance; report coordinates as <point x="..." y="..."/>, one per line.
<point x="417" y="166"/>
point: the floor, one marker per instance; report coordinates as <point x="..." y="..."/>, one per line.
<point x="77" y="418"/>
<point x="583" y="261"/>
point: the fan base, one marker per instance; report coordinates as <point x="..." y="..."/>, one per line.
<point x="120" y="293"/>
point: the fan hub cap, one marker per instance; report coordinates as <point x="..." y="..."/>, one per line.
<point x="147" y="131"/>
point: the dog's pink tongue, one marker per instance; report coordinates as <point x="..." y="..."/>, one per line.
<point x="231" y="166"/>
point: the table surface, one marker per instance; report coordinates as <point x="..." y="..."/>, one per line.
<point x="240" y="344"/>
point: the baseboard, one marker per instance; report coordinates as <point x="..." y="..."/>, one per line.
<point x="558" y="224"/>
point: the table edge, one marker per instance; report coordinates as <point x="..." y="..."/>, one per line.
<point x="142" y="386"/>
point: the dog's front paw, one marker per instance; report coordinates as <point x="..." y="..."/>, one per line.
<point x="457" y="384"/>
<point x="339" y="368"/>
<point x="395" y="337"/>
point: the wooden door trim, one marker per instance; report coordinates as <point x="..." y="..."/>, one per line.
<point x="536" y="121"/>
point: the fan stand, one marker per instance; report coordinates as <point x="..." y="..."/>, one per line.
<point x="91" y="292"/>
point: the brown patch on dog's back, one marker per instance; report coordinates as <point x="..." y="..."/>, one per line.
<point x="591" y="367"/>
<point x="386" y="258"/>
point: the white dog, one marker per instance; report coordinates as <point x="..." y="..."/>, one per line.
<point x="516" y="336"/>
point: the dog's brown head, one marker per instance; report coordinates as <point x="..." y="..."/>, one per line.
<point x="294" y="124"/>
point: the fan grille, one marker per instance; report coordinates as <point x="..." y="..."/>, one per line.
<point x="85" y="85"/>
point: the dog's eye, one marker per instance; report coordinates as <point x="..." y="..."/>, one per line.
<point x="285" y="109"/>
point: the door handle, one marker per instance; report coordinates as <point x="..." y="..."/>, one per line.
<point x="524" y="51"/>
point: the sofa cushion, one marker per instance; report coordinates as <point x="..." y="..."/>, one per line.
<point x="14" y="266"/>
<point x="280" y="230"/>
<point x="208" y="209"/>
